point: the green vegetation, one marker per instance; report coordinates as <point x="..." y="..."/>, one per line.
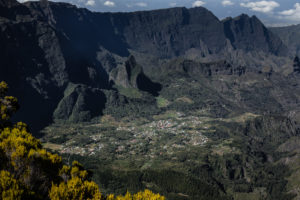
<point x="162" y="102"/>
<point x="129" y="92"/>
<point x="215" y="158"/>
<point x="191" y="133"/>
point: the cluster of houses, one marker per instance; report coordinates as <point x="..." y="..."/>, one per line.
<point x="182" y="131"/>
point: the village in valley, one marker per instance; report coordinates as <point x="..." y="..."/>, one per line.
<point x="167" y="134"/>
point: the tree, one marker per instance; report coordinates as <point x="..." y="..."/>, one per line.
<point x="75" y="185"/>
<point x="8" y="105"/>
<point x="145" y="195"/>
<point x="9" y="187"/>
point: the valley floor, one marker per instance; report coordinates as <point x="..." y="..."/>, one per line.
<point x="194" y="149"/>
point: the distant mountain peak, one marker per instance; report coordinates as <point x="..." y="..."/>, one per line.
<point x="249" y="33"/>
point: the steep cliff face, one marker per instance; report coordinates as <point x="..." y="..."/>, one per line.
<point x="38" y="61"/>
<point x="249" y="34"/>
<point x="170" y="32"/>
<point x="31" y="62"/>
<point x="163" y="33"/>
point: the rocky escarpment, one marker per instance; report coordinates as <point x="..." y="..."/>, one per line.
<point x="170" y="32"/>
<point x="164" y="33"/>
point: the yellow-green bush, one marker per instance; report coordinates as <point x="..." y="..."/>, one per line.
<point x="8" y="104"/>
<point x="10" y="188"/>
<point x="145" y="195"/>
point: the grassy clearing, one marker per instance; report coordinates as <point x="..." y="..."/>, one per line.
<point x="171" y="114"/>
<point x="54" y="147"/>
<point x="241" y="118"/>
<point x="185" y="100"/>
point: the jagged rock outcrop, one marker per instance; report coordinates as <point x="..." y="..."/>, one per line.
<point x="131" y="75"/>
<point x="127" y="74"/>
<point x="80" y="103"/>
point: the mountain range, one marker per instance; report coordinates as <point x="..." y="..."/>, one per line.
<point x="174" y="100"/>
<point x="64" y="62"/>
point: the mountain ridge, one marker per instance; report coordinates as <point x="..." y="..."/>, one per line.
<point x="54" y="45"/>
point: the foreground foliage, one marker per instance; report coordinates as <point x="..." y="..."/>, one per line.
<point x="146" y="195"/>
<point x="27" y="171"/>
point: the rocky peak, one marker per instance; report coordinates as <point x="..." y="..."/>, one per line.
<point x="131" y="75"/>
<point x="130" y="65"/>
<point x="127" y="74"/>
<point x="250" y="34"/>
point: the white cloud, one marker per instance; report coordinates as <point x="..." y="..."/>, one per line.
<point x="90" y="3"/>
<point x="261" y="6"/>
<point x="173" y="4"/>
<point x="141" y="4"/>
<point x="109" y="3"/>
<point x="227" y="3"/>
<point x="292" y="14"/>
<point x="198" y="3"/>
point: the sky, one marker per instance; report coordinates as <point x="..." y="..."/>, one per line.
<point x="271" y="12"/>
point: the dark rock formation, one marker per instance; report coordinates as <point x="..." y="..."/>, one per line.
<point x="80" y="103"/>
